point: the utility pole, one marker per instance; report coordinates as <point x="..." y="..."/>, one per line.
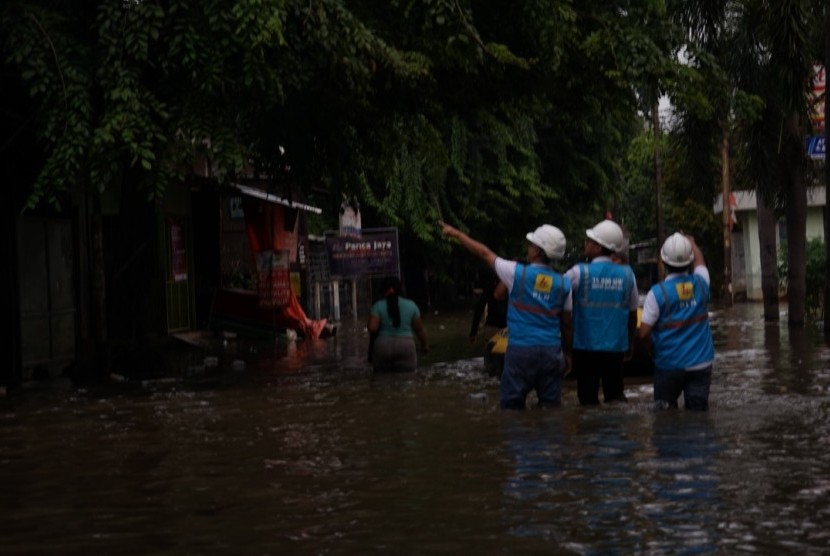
<point x="727" y="215"/>
<point x="658" y="186"/>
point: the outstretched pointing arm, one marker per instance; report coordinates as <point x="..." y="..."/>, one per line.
<point x="475" y="247"/>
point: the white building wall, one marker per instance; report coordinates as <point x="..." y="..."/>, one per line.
<point x="815" y="223"/>
<point x="752" y="249"/>
<point x="747" y="216"/>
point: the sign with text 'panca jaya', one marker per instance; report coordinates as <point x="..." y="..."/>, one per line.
<point x="374" y="253"/>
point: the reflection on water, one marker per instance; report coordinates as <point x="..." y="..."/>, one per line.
<point x="616" y="482"/>
<point x="308" y="452"/>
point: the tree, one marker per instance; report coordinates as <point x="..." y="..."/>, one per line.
<point x="770" y="59"/>
<point x="498" y="116"/>
<point x="713" y="111"/>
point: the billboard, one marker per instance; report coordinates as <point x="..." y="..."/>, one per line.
<point x="817" y="98"/>
<point x="373" y="253"/>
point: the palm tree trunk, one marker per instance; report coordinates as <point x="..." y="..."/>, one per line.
<point x="796" y="210"/>
<point x="769" y="251"/>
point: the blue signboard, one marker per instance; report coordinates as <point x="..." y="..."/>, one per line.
<point x="815" y="147"/>
<point x="373" y="253"/>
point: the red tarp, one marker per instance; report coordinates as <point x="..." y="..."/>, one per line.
<point x="272" y="236"/>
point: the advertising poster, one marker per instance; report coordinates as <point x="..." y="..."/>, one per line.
<point x="274" y="281"/>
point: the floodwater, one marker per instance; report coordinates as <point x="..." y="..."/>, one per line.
<point x="306" y="452"/>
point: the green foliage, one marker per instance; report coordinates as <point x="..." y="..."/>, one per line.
<point x="496" y="117"/>
<point x="757" y="58"/>
<point x="637" y="207"/>
<point x="137" y="87"/>
<point x="816" y="258"/>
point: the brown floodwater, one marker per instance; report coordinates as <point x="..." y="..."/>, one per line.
<point x="307" y="452"/>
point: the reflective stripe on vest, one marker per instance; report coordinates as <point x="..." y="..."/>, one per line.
<point x="601" y="313"/>
<point x="682" y="337"/>
<point x="677" y="323"/>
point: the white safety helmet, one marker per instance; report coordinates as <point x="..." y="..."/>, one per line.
<point x="608" y="234"/>
<point x="677" y="251"/>
<point x="550" y="239"/>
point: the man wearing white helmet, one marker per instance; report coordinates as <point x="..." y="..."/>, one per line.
<point x="538" y="317"/>
<point x="605" y="302"/>
<point x="676" y="322"/>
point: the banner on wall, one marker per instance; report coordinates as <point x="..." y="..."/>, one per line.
<point x="374" y="253"/>
<point x="274" y="280"/>
<point x="178" y="252"/>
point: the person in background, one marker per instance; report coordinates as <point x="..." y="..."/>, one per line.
<point x="620" y="256"/>
<point x="495" y="307"/>
<point x="394" y="323"/>
<point x="675" y="324"/>
<point x="538" y="316"/>
<point x="605" y="302"/>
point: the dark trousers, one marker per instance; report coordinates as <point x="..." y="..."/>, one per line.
<point x="693" y="384"/>
<point x="594" y="367"/>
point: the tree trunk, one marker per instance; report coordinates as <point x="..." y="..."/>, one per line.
<point x="91" y="295"/>
<point x="796" y="210"/>
<point x="10" y="372"/>
<point x="726" y="187"/>
<point x="99" y="281"/>
<point x="769" y="256"/>
<point x="133" y="303"/>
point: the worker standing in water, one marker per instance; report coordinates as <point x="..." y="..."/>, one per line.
<point x="676" y="322"/>
<point x="605" y="302"/>
<point x="538" y="316"/>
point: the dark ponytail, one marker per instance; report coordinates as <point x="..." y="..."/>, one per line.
<point x="391" y="291"/>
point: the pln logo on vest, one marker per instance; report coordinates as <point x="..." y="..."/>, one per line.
<point x="543" y="284"/>
<point x="685" y="291"/>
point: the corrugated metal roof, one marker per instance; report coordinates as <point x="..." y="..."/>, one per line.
<point x="271" y="198"/>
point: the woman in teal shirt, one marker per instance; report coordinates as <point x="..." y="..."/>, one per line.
<point x="394" y="322"/>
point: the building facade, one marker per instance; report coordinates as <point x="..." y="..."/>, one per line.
<point x="746" y="251"/>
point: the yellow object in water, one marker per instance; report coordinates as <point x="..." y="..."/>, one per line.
<point x="497" y="344"/>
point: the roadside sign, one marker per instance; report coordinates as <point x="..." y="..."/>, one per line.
<point x="374" y="253"/>
<point x="817" y="98"/>
<point x="815" y="147"/>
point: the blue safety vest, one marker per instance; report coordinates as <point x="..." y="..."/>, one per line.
<point x="601" y="306"/>
<point x="536" y="300"/>
<point x="681" y="336"/>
